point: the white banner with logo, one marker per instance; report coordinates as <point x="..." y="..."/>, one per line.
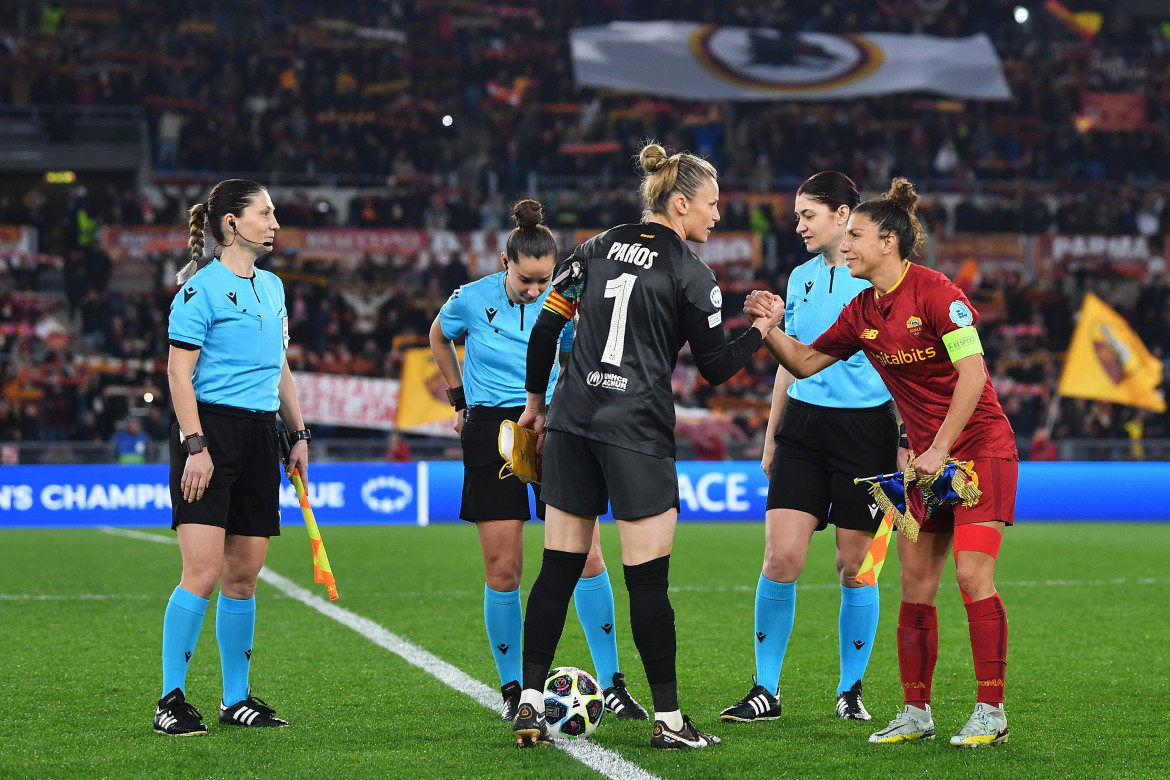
<point x="353" y="401"/>
<point x="712" y="62"/>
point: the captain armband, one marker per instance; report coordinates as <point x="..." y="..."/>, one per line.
<point x="962" y="343"/>
<point x="558" y="304"/>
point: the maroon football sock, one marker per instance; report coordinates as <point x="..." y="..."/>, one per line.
<point x="917" y="651"/>
<point x="987" y="622"/>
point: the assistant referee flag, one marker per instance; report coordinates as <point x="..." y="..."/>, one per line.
<point x="1107" y="361"/>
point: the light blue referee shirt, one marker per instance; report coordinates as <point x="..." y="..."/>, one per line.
<point x="241" y="327"/>
<point x="817" y="293"/>
<point x="495" y="356"/>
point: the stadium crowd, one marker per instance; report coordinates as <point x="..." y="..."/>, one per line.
<point x="357" y="95"/>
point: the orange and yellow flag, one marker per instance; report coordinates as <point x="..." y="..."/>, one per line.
<point x="422" y="396"/>
<point x="871" y="567"/>
<point x="322" y="571"/>
<point x="1107" y="361"/>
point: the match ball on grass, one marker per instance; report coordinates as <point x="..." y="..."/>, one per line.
<point x="573" y="704"/>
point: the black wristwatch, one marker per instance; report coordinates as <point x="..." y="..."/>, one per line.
<point x="195" y="443"/>
<point x="457" y="398"/>
<point x="301" y="435"/>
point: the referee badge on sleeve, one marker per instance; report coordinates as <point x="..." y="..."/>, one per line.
<point x="518" y="449"/>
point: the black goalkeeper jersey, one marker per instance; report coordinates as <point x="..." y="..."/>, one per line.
<point x="642" y="294"/>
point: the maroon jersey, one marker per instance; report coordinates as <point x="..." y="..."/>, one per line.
<point x="901" y="333"/>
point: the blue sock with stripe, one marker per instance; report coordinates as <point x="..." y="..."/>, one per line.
<point x="235" y="625"/>
<point x="504" y="619"/>
<point x="181" y="625"/>
<point x="858" y="627"/>
<point x="775" y="614"/>
<point x="593" y="597"/>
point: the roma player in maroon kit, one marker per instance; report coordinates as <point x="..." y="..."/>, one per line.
<point x="918" y="330"/>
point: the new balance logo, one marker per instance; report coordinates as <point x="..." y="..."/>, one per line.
<point x="491" y="313"/>
<point x="761" y="636"/>
<point x="808" y="287"/>
<point x="503" y="647"/>
<point x="189" y="293"/>
<point x="248" y="654"/>
<point x="857" y="645"/>
<point x="607" y="628"/>
<point x="187" y="656"/>
<point x="869" y="333"/>
<point x="232" y="297"/>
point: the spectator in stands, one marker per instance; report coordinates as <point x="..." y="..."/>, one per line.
<point x="397" y="449"/>
<point x="130" y="444"/>
<point x="506" y="127"/>
<point x="1042" y="447"/>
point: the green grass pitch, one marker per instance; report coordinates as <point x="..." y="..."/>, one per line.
<point x="81" y="615"/>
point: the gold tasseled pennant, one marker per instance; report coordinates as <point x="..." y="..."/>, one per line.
<point x="966" y="483"/>
<point x="908" y="526"/>
<point x="884" y="503"/>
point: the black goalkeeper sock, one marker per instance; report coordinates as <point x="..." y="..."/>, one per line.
<point x="652" y="624"/>
<point x="544" y="619"/>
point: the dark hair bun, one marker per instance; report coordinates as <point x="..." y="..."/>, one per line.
<point x="902" y="194"/>
<point x="528" y="214"/>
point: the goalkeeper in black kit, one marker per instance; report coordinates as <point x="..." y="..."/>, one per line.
<point x="642" y="294"/>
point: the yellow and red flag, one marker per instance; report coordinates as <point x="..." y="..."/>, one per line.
<point x="422" y="393"/>
<point x="1085" y="24"/>
<point x="322" y="573"/>
<point x="1107" y="361"/>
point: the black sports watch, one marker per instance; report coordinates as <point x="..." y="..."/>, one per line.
<point x="195" y="443"/>
<point x="301" y="435"/>
<point x="457" y="398"/>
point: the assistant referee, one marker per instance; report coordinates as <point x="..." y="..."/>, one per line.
<point x="228" y="379"/>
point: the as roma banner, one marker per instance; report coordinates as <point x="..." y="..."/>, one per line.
<point x="1107" y="361"/>
<point x="711" y="62"/>
<point x="423" y="405"/>
<point x="1112" y="111"/>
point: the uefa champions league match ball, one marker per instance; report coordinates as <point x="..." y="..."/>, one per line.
<point x="573" y="704"/>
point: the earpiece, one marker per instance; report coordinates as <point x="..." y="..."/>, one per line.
<point x="232" y="224"/>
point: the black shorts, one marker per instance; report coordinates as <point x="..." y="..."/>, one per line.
<point x="583" y="477"/>
<point x="244" y="494"/>
<point x="819" y="452"/>
<point x="485" y="495"/>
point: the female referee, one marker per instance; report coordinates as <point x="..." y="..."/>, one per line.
<point x="643" y="294"/>
<point x="918" y="330"/>
<point x="228" y="379"/>
<point x="496" y="315"/>
<point x="822" y="432"/>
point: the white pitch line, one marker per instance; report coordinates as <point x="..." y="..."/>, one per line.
<point x="592" y="755"/>
<point x="140" y="535"/>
